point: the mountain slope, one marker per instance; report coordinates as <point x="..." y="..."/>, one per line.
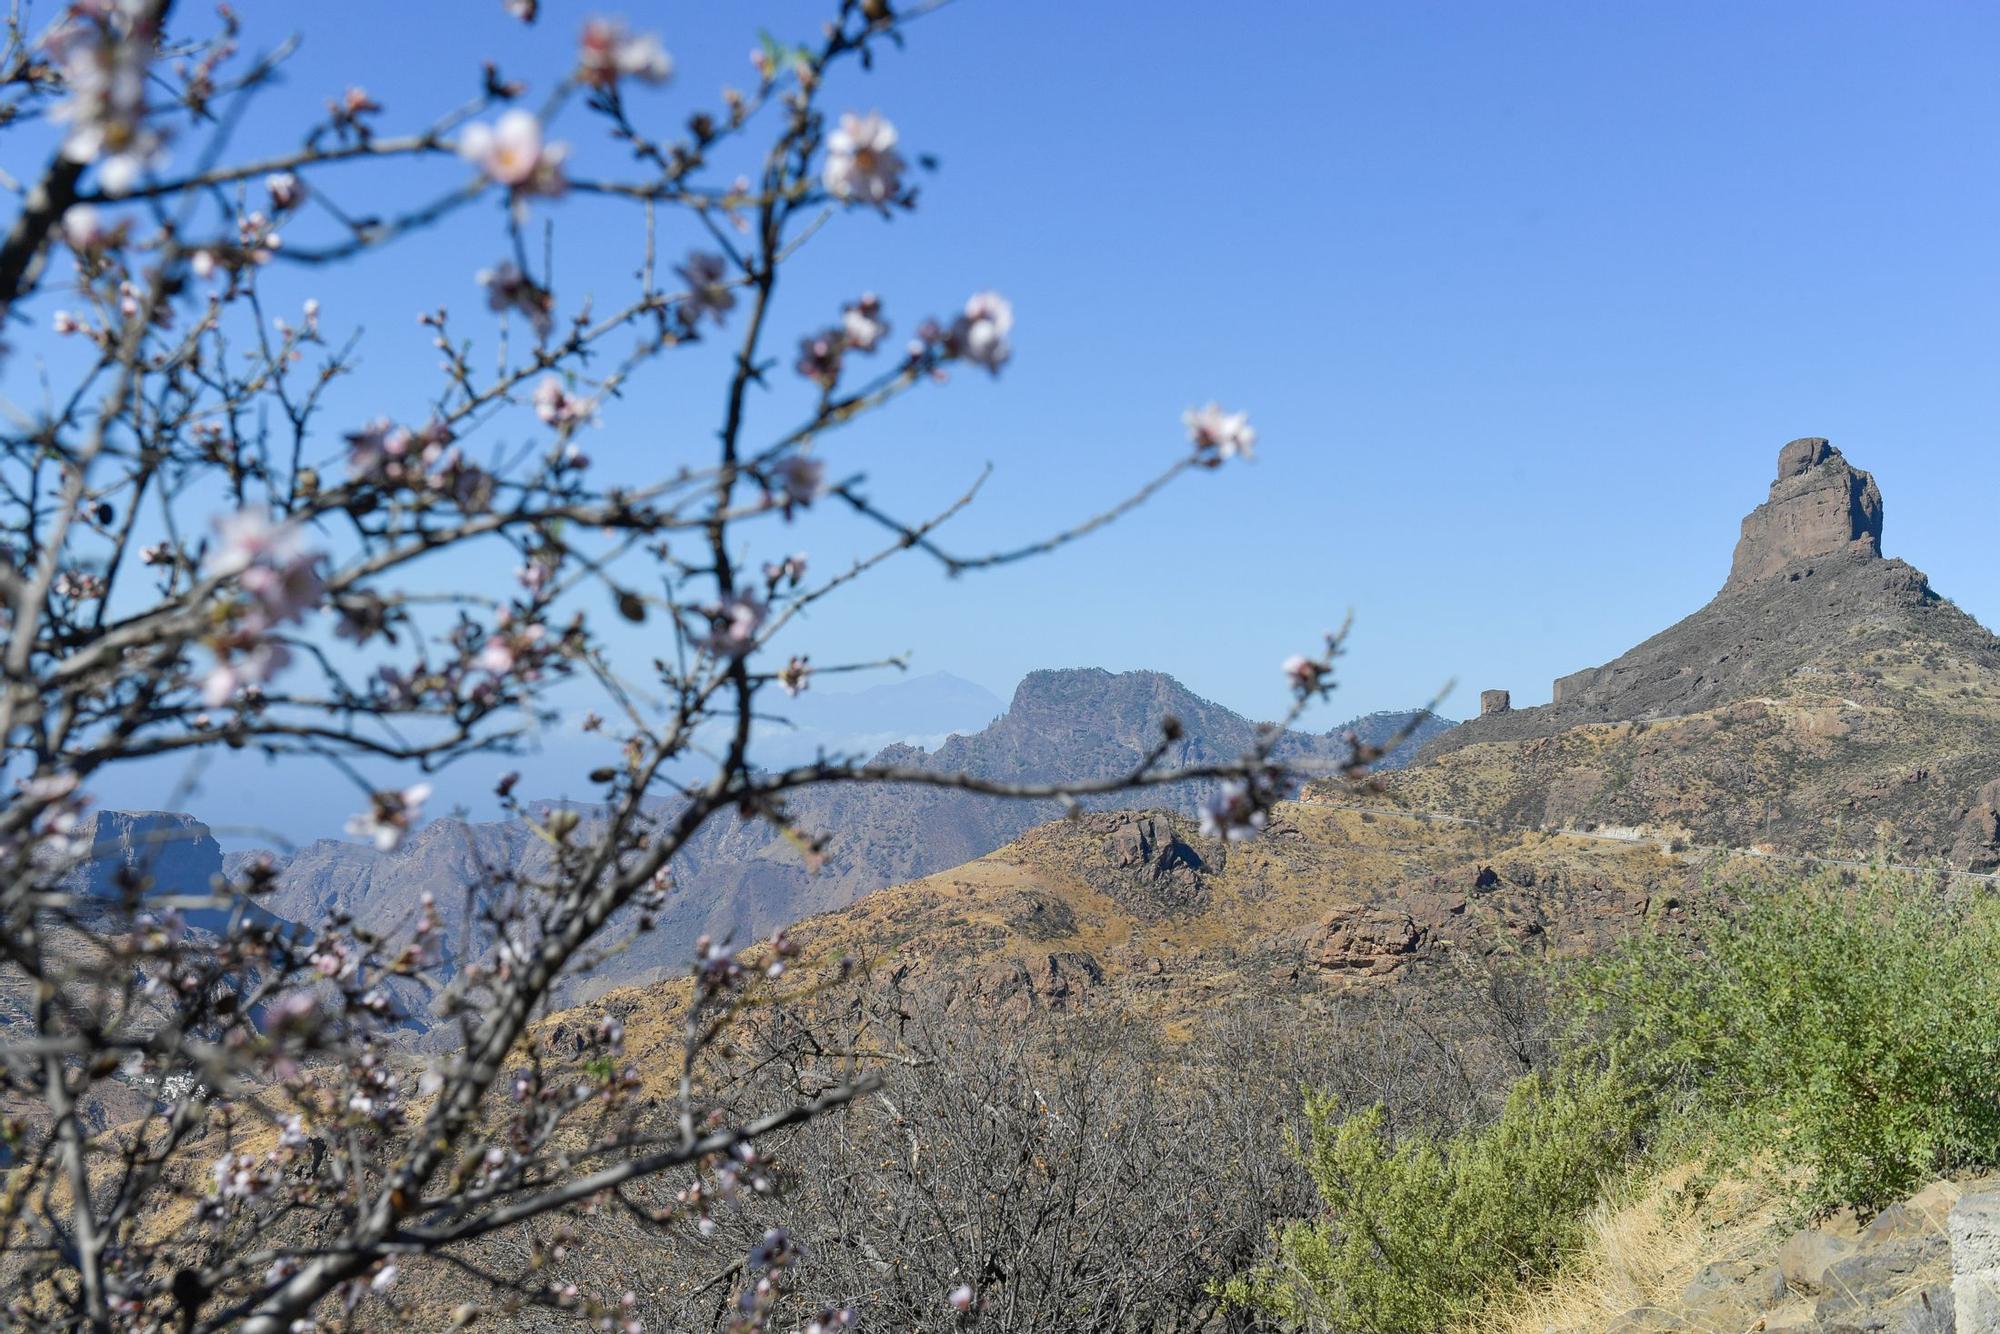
<point x="744" y="880"/>
<point x="1826" y="695"/>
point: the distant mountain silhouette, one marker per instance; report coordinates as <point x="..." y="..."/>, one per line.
<point x="744" y="880"/>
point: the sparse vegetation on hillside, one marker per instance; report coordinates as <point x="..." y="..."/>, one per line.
<point x="1832" y="1035"/>
<point x="1844" y="1025"/>
<point x="1419" y="1232"/>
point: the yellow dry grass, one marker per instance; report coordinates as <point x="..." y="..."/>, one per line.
<point x="1646" y="1241"/>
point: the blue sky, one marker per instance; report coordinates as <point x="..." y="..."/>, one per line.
<point x="1522" y="299"/>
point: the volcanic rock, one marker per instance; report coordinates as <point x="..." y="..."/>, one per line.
<point x="1819" y="506"/>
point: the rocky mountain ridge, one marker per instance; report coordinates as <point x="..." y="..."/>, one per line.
<point x="742" y="880"/>
<point x="1827" y="698"/>
<point x="1827" y="695"/>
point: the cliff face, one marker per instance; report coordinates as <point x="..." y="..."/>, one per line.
<point x="145" y="851"/>
<point x="1819" y="506"/>
<point x="1826" y="693"/>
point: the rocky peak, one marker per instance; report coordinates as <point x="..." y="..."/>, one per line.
<point x="1820" y="505"/>
<point x="160" y="851"/>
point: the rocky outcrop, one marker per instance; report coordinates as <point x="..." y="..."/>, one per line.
<point x="1819" y="506"/>
<point x="1977" y="848"/>
<point x="1826" y="697"/>
<point x="1929" y="1265"/>
<point x="1149" y="868"/>
<point x="1018" y="987"/>
<point x="1494" y="701"/>
<point x="1366" y="941"/>
<point x="139" y="852"/>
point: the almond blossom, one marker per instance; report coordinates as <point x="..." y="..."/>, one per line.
<point x="287" y="191"/>
<point x="1233" y="812"/>
<point x="608" y="53"/>
<point x="733" y="625"/>
<point x="795" y="676"/>
<point x="103" y="53"/>
<point x="1304" y="673"/>
<point x="390" y="815"/>
<point x="83" y="227"/>
<point x="706" y="275"/>
<point x="1219" y="435"/>
<point x="558" y="407"/>
<point x="242" y="669"/>
<point x="862" y="163"/>
<point x="819" y="357"/>
<point x="507" y="288"/>
<point x="512" y="153"/>
<point x="250" y="537"/>
<point x="862" y="325"/>
<point x="980" y="335"/>
<point x="802" y="479"/>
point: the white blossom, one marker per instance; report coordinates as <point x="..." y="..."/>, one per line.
<point x="862" y="163"/>
<point x="1219" y="435"/>
<point x="981" y="333"/>
<point x="608" y="53"/>
<point x="390" y="815"/>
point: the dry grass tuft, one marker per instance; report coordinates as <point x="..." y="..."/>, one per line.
<point x="1645" y="1243"/>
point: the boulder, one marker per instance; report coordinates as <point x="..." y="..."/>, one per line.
<point x="1806" y="1256"/>
<point x="1974" y="1226"/>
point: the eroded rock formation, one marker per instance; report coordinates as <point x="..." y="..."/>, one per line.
<point x="1820" y="505"/>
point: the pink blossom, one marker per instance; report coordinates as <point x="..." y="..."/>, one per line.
<point x="1233" y="812"/>
<point x="249" y="537"/>
<point x="862" y="162"/>
<point x="608" y="53"/>
<point x="733" y="625"/>
<point x="507" y="288"/>
<point x="83" y="227"/>
<point x="1304" y="673"/>
<point x="103" y="58"/>
<point x="287" y="191"/>
<point x="980" y="335"/>
<point x="862" y="325"/>
<point x="558" y="407"/>
<point x="706" y="276"/>
<point x="511" y="153"/>
<point x="803" y="479"/>
<point x="285" y="592"/>
<point x="497" y="656"/>
<point x="960" y="1298"/>
<point x="66" y="323"/>
<point x="390" y="815"/>
<point x="1219" y="435"/>
<point x="791" y="569"/>
<point x="376" y="449"/>
<point x="236" y="672"/>
<point x="819" y="357"/>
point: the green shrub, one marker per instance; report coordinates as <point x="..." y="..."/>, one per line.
<point x="1845" y="1025"/>
<point x="1415" y="1234"/>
